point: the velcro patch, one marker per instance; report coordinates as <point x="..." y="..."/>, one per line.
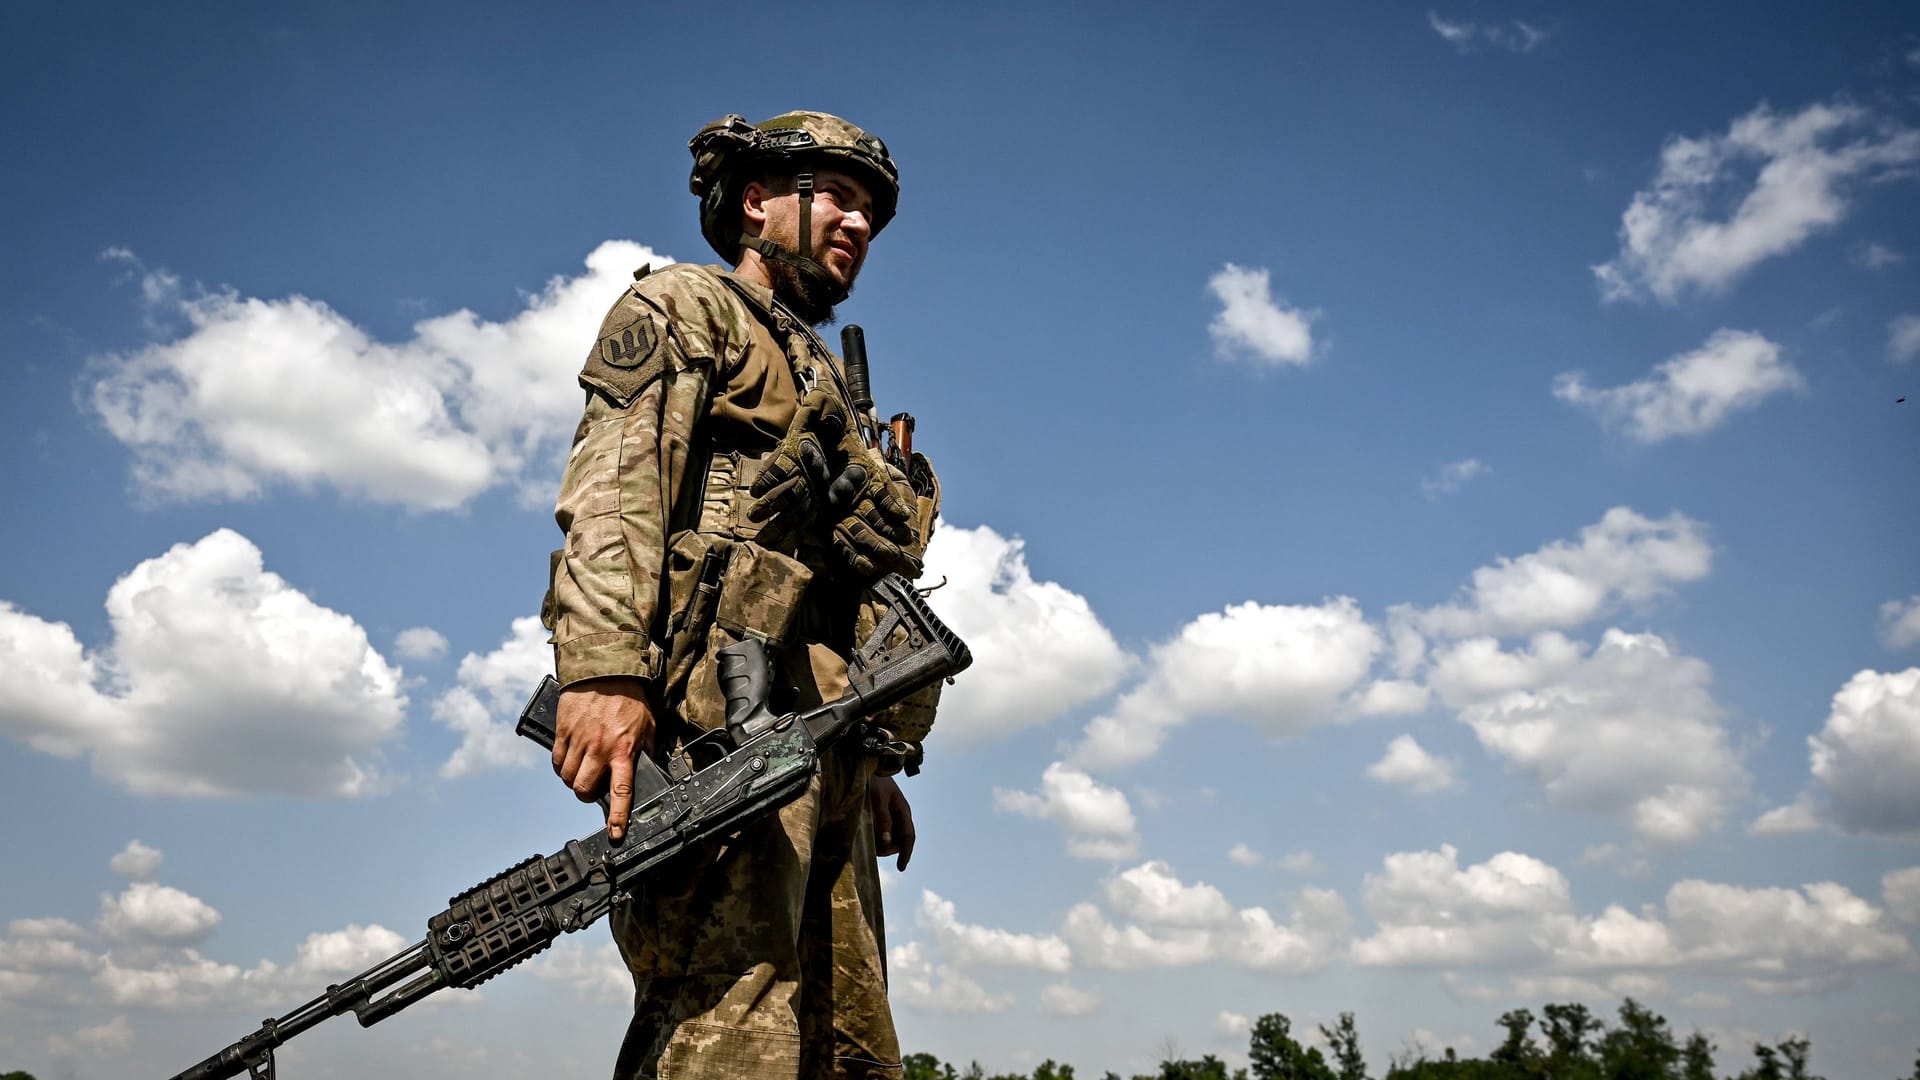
<point x="630" y="346"/>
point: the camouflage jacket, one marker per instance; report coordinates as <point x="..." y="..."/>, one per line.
<point x="694" y="377"/>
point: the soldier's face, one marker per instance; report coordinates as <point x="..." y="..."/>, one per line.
<point x="842" y="223"/>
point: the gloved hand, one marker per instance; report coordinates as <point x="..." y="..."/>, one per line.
<point x="874" y="534"/>
<point x="798" y="472"/>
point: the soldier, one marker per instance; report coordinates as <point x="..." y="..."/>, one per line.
<point x="718" y="488"/>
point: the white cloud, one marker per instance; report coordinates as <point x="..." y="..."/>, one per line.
<point x="1098" y="820"/>
<point x="1877" y="256"/>
<point x="1232" y="1023"/>
<point x="111" y="1039"/>
<point x="1253" y="325"/>
<point x="223" y="679"/>
<point x="486" y="705"/>
<point x="1903" y="338"/>
<point x="1690" y="394"/>
<point x="916" y="981"/>
<point x="1152" y="894"/>
<point x="1628" y="862"/>
<point x="136" y="861"/>
<point x="1516" y="911"/>
<point x="1867" y="757"/>
<point x="347" y="951"/>
<point x="1039" y="651"/>
<point x="261" y="393"/>
<point x="1900" y="623"/>
<point x="1407" y="765"/>
<point x="1803" y="815"/>
<point x="1467" y="36"/>
<point x="420" y="643"/>
<point x="1623" y="558"/>
<point x="1243" y="855"/>
<point x="969" y="946"/>
<point x="1630" y="732"/>
<point x="149" y="913"/>
<point x="594" y="972"/>
<point x="1280" y="668"/>
<point x="1452" y="476"/>
<point x="1901" y="891"/>
<point x="1063" y="999"/>
<point x="1174" y="923"/>
<point x="1794" y="173"/>
<point x="1391" y="697"/>
<point x="1300" y="862"/>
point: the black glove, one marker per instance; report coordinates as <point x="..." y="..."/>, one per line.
<point x="798" y="472"/>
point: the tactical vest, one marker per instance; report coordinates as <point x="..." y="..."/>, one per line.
<point x="725" y="585"/>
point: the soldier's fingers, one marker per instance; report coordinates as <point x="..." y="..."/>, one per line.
<point x="814" y="461"/>
<point x="621" y="796"/>
<point x="846" y="487"/>
<point x="773" y="499"/>
<point x="883" y="827"/>
<point x="586" y="779"/>
<point x="904" y="838"/>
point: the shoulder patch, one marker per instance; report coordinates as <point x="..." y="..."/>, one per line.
<point x="629" y="352"/>
<point x="631" y="345"/>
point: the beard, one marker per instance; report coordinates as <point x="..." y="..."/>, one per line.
<point x="810" y="297"/>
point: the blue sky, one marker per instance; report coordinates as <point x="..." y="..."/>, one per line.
<point x="1426" y="487"/>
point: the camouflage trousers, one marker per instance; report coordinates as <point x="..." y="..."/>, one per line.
<point x="765" y="956"/>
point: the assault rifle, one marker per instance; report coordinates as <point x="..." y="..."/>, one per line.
<point x="760" y="761"/>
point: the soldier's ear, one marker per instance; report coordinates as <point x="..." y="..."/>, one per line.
<point x="753" y="206"/>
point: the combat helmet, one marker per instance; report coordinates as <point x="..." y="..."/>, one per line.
<point x="729" y="153"/>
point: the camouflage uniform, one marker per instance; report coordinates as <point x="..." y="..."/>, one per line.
<point x="762" y="956"/>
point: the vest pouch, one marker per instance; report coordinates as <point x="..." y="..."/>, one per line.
<point x="759" y="597"/>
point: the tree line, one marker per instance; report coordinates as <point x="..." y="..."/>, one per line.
<point x="1566" y="1042"/>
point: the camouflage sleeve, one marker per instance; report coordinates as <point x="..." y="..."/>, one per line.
<point x="648" y="379"/>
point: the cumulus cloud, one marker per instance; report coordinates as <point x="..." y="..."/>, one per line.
<point x="970" y="946"/>
<point x="1243" y="855"/>
<point x="1624" y="558"/>
<point x="1406" y="764"/>
<point x="1281" y="668"/>
<point x="260" y="393"/>
<point x="916" y="981"/>
<point x="221" y="679"/>
<point x="1300" y="862"/>
<point x="593" y="972"/>
<point x="1452" y="476"/>
<point x="110" y="1039"/>
<point x="1901" y="891"/>
<point x="1691" y="394"/>
<point x="1900" y="623"/>
<point x="1171" y="923"/>
<point x="1228" y="1022"/>
<point x="1630" y="731"/>
<point x="1515" y="911"/>
<point x="1865" y="763"/>
<point x="1039" y="651"/>
<point x="1098" y="820"/>
<point x="151" y="913"/>
<point x="1065" y="999"/>
<point x="1467" y="36"/>
<point x="136" y="861"/>
<point x="1793" y="176"/>
<point x="420" y="643"/>
<point x="1252" y="325"/>
<point x="485" y="706"/>
<point x="1903" y="338"/>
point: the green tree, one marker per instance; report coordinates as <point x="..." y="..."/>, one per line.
<point x="16" y="1075"/>
<point x="925" y="1067"/>
<point x="1641" y="1047"/>
<point x="1517" y="1052"/>
<point x="1343" y="1039"/>
<point x="1571" y="1032"/>
<point x="1050" y="1070"/>
<point x="1274" y="1054"/>
<point x="1768" y="1065"/>
<point x="1797" y="1050"/>
<point x="1696" y="1058"/>
<point x="1207" y="1068"/>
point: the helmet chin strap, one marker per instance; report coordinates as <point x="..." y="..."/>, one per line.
<point x="803" y="262"/>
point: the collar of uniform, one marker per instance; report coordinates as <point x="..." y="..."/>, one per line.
<point x="762" y="297"/>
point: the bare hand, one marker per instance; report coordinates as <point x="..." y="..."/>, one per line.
<point x="892" y="820"/>
<point x="599" y="726"/>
